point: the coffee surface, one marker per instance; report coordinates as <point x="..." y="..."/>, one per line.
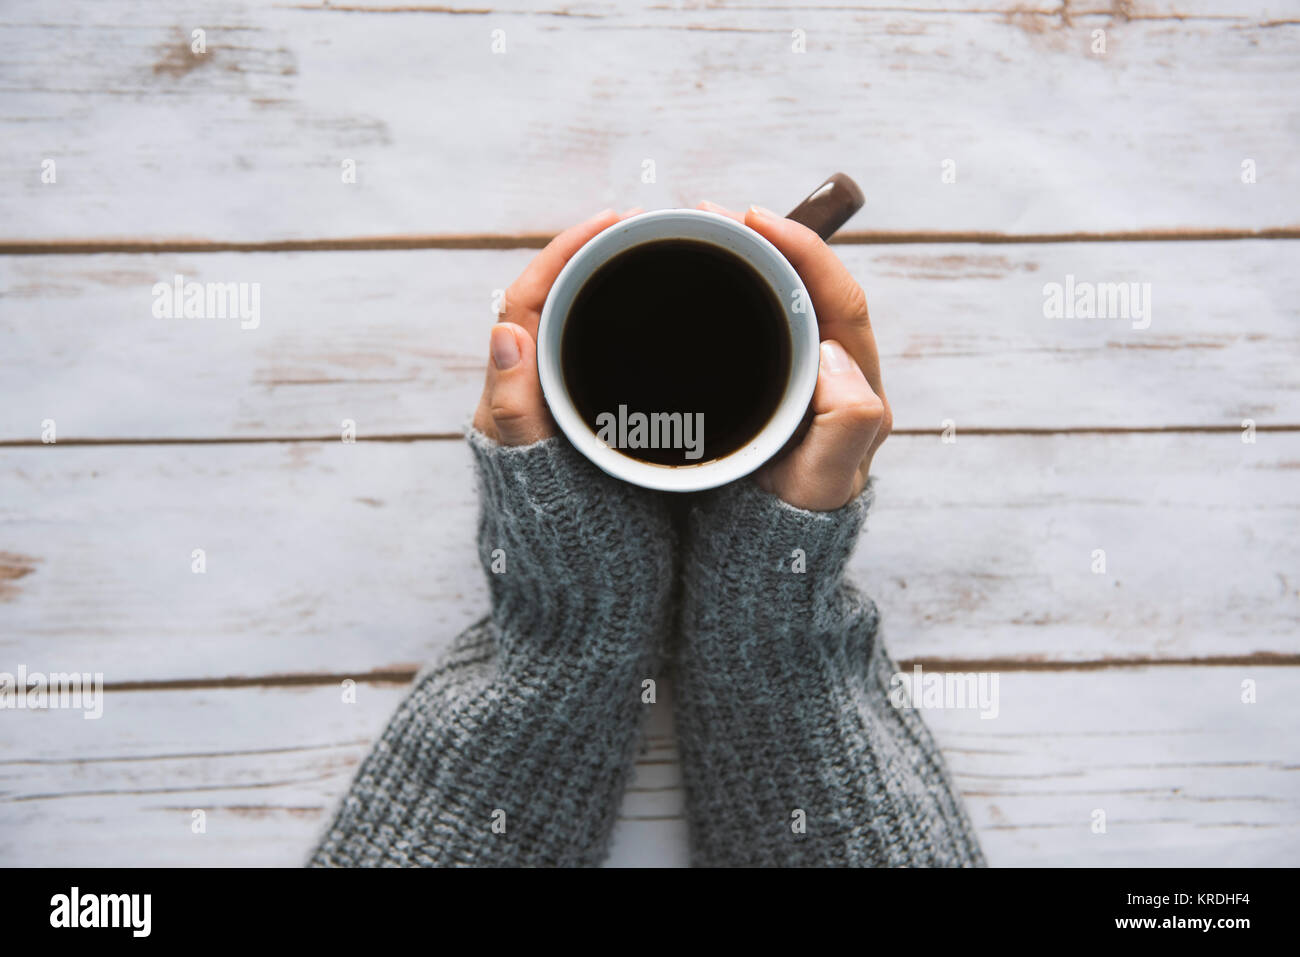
<point x="676" y="327"/>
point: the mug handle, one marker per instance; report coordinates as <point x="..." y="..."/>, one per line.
<point x="829" y="206"/>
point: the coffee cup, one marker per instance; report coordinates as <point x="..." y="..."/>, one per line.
<point x="678" y="349"/>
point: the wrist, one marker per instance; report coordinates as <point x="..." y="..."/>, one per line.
<point x="758" y="568"/>
<point x="568" y="548"/>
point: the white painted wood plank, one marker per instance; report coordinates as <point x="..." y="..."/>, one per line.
<point x="1186" y="773"/>
<point x="247" y="141"/>
<point x="396" y="341"/>
<point x="340" y="559"/>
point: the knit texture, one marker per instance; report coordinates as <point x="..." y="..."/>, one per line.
<point x="782" y="701"/>
<point x="514" y="748"/>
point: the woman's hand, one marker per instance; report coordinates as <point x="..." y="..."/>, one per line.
<point x="513" y="410"/>
<point x="851" y="417"/>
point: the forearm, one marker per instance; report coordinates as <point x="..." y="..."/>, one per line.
<point x="792" y="752"/>
<point x="514" y="748"/>
<point x="493" y="763"/>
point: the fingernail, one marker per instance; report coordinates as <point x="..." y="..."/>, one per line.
<point x="711" y="206"/>
<point x="607" y="211"/>
<point x="762" y="212"/>
<point x="505" y="350"/>
<point x="834" y="359"/>
<point x="634" y="211"/>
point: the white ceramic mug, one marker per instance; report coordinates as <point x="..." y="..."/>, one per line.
<point x="824" y="210"/>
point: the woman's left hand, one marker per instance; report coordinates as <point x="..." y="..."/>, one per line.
<point x="512" y="410"/>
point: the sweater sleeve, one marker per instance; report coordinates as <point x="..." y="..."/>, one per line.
<point x="514" y="747"/>
<point x="792" y="752"/>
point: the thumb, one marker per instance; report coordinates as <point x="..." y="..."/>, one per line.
<point x="823" y="472"/>
<point x="514" y="391"/>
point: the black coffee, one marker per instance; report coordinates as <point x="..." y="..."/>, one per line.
<point x="676" y="352"/>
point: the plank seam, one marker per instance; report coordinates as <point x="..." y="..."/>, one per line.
<point x="399" y="676"/>
<point x="85" y="247"/>
<point x="458" y="436"/>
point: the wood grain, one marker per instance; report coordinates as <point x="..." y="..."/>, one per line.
<point x="328" y="558"/>
<point x="246" y="141"/>
<point x="396" y="341"/>
<point x="1185" y="772"/>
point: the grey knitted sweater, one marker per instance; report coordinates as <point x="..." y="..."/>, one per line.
<point x="515" y="747"/>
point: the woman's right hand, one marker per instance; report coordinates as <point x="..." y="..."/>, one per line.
<point x="851" y="417"/>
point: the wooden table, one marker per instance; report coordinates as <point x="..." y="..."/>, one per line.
<point x="326" y="561"/>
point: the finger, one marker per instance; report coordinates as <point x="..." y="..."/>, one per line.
<point x="527" y="294"/>
<point x="711" y="207"/>
<point x="839" y="301"/>
<point x="823" y="472"/>
<point x="514" y="392"/>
